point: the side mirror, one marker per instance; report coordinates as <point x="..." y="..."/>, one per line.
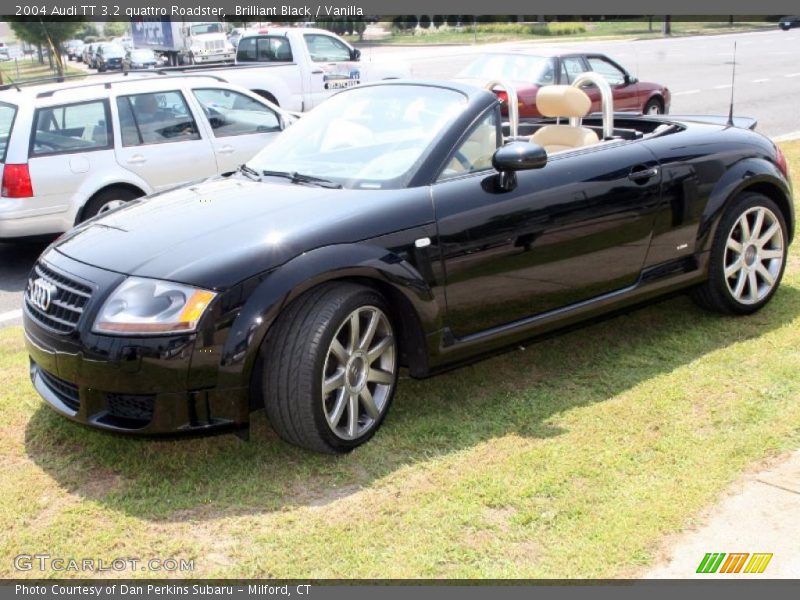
<point x="516" y="156"/>
<point x="355" y="54"/>
<point x="630" y="79"/>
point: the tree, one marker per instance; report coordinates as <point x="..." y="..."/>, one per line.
<point x="425" y="21"/>
<point x="115" y="29"/>
<point x="666" y="26"/>
<point x="51" y="34"/>
<point x="88" y="30"/>
<point x="438" y="21"/>
<point x="360" y="27"/>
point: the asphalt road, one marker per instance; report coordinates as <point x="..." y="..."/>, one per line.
<point x="696" y="69"/>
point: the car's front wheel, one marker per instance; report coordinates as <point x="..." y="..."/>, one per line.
<point x="654" y="106"/>
<point x="747" y="258"/>
<point x="329" y="368"/>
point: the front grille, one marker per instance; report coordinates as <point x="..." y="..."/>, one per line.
<point x="66" y="391"/>
<point x="129" y="407"/>
<point x="66" y="304"/>
<point x="215" y="45"/>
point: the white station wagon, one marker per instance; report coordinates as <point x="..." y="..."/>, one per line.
<point x="71" y="150"/>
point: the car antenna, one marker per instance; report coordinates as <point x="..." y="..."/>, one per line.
<point x="733" y="81"/>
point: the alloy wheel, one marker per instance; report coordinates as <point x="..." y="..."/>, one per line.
<point x="110" y="205"/>
<point x="754" y="255"/>
<point x="359" y="373"/>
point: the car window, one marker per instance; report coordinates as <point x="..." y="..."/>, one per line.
<point x="155" y="118"/>
<point x="324" y="48"/>
<point x="475" y="153"/>
<point x="264" y="49"/>
<point x="232" y="113"/>
<point x="571" y="67"/>
<point x="7" y="114"/>
<point x="71" y="128"/>
<point x="610" y="72"/>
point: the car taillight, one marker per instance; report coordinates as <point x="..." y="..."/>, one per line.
<point x="781" y="161"/>
<point x="17" y="181"/>
<point x="502" y="96"/>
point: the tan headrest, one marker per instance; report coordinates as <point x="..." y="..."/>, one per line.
<point x="562" y="101"/>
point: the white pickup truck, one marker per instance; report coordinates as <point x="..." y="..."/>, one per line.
<point x="299" y="67"/>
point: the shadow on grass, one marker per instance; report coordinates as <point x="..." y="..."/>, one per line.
<point x="513" y="393"/>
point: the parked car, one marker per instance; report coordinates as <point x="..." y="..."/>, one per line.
<point x="140" y="58"/>
<point x="74" y="49"/>
<point x="297" y="68"/>
<point x="397" y="224"/>
<point x="109" y="57"/>
<point x="787" y="23"/>
<point x="88" y="54"/>
<point x="72" y="150"/>
<point x="529" y="71"/>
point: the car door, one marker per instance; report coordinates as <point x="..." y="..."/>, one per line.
<point x="625" y="93"/>
<point x="70" y="144"/>
<point x="240" y="125"/>
<point x="574" y="230"/>
<point x="332" y="68"/>
<point x="160" y="141"/>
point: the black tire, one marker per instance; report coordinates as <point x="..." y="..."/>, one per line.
<point x="295" y="356"/>
<point x="101" y="200"/>
<point x="654" y="106"/>
<point x="715" y="294"/>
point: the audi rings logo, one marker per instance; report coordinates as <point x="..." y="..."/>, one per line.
<point x="41" y="293"/>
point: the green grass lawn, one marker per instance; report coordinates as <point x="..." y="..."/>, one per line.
<point x="567" y="31"/>
<point x="571" y="458"/>
<point x="30" y="68"/>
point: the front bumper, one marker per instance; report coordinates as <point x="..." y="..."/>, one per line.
<point x="122" y="384"/>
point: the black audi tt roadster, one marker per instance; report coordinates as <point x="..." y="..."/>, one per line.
<point x="398" y="225"/>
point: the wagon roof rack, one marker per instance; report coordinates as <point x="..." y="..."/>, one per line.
<point x="18" y="85"/>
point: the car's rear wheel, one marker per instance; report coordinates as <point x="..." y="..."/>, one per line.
<point x="654" y="106"/>
<point x="747" y="258"/>
<point x="330" y="367"/>
<point x="107" y="200"/>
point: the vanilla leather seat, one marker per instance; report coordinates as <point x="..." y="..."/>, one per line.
<point x="563" y="101"/>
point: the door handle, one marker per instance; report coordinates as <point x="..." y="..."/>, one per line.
<point x="317" y="72"/>
<point x="227" y="149"/>
<point x="640" y="174"/>
<point x="137" y="159"/>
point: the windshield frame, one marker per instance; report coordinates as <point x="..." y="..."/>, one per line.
<point x="403" y="180"/>
<point x="546" y="60"/>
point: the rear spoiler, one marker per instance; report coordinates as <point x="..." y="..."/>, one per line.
<point x="740" y="122"/>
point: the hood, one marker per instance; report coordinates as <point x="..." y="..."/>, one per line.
<point x="223" y="230"/>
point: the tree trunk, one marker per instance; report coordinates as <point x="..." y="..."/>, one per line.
<point x="41" y="54"/>
<point x="666" y="29"/>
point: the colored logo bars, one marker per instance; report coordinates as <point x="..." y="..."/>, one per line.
<point x="716" y="562"/>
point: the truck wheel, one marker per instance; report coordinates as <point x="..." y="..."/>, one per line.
<point x="747" y="257"/>
<point x="330" y="368"/>
<point x="267" y="96"/>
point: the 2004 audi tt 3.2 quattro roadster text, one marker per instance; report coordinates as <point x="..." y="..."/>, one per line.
<point x="401" y="224"/>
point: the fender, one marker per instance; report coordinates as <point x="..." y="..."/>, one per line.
<point x="285" y="283"/>
<point x="739" y="177"/>
<point x="93" y="185"/>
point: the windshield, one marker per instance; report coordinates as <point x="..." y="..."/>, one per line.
<point x="207" y="28"/>
<point x="514" y="67"/>
<point x="113" y="50"/>
<point x="366" y="138"/>
<point x="7" y="114"/>
<point x="142" y="55"/>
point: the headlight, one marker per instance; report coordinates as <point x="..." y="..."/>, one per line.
<point x="148" y="306"/>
